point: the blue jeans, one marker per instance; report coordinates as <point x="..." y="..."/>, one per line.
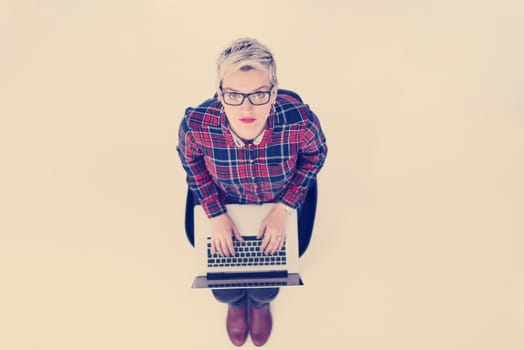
<point x="258" y="297"/>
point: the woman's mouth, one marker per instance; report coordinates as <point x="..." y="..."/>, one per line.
<point x="247" y="120"/>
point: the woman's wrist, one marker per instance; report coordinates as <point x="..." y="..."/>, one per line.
<point x="286" y="208"/>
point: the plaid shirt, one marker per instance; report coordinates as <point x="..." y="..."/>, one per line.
<point x="278" y="167"/>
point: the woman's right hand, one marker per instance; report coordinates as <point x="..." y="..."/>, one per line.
<point x="222" y="231"/>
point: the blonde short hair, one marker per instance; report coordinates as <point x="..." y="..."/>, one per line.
<point x="245" y="54"/>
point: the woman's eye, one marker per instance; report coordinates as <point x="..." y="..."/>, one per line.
<point x="234" y="96"/>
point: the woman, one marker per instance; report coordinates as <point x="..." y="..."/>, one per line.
<point x="249" y="145"/>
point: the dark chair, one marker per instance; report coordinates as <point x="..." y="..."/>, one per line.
<point x="306" y="213"/>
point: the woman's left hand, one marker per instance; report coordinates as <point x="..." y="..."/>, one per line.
<point x="273" y="229"/>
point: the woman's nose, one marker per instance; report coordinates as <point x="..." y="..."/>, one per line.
<point x="246" y="105"/>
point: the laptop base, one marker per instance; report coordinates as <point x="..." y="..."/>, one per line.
<point x="292" y="279"/>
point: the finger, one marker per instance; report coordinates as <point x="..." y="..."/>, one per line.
<point x="278" y="241"/>
<point x="276" y="244"/>
<point x="282" y="243"/>
<point x="270" y="244"/>
<point x="265" y="242"/>
<point x="224" y="248"/>
<point x="261" y="230"/>
<point x="213" y="249"/>
<point x="230" y="250"/>
<point x="219" y="248"/>
<point x="237" y="234"/>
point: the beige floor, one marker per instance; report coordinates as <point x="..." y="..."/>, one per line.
<point x="419" y="233"/>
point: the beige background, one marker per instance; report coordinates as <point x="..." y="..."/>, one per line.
<point x="419" y="234"/>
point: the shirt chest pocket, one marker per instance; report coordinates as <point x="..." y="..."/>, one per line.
<point x="281" y="159"/>
<point x="280" y="169"/>
<point x="223" y="171"/>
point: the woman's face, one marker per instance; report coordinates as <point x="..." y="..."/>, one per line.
<point x="247" y="120"/>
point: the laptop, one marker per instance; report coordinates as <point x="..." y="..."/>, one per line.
<point x="249" y="268"/>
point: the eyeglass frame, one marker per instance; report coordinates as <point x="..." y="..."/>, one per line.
<point x="248" y="97"/>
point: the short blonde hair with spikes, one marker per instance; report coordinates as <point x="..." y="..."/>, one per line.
<point x="245" y="54"/>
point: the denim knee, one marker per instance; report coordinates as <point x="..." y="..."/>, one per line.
<point x="237" y="297"/>
<point x="259" y="297"/>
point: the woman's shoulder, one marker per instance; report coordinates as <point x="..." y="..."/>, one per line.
<point x="206" y="114"/>
<point x="290" y="109"/>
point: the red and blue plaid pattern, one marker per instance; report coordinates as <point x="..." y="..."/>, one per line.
<point x="278" y="169"/>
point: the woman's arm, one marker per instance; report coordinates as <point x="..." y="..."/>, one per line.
<point x="200" y="182"/>
<point x="199" y="179"/>
<point x="311" y="158"/>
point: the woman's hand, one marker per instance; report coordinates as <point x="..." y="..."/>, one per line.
<point x="273" y="229"/>
<point x="222" y="231"/>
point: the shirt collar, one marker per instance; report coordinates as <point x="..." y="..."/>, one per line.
<point x="240" y="143"/>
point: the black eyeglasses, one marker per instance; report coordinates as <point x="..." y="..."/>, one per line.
<point x="255" y="98"/>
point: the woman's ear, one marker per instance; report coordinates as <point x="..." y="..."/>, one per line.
<point x="274" y="93"/>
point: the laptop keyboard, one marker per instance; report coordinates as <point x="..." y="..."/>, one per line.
<point x="248" y="284"/>
<point x="247" y="253"/>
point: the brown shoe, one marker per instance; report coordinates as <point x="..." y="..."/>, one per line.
<point x="261" y="324"/>
<point x="236" y="324"/>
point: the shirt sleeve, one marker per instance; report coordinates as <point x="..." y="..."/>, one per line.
<point x="199" y="179"/>
<point x="311" y="158"/>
